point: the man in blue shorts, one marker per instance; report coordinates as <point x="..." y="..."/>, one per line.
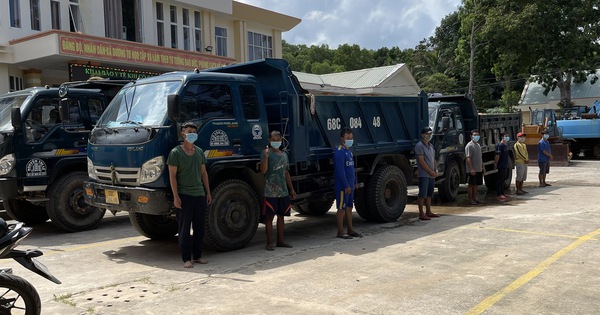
<point x="345" y="182"/>
<point x="544" y="158"/>
<point x="427" y="172"/>
<point x="275" y="166"/>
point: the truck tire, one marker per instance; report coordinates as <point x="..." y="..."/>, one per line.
<point x="25" y="211"/>
<point x="155" y="227"/>
<point x="386" y="194"/>
<point x="317" y="207"/>
<point x="361" y="206"/>
<point x="67" y="208"/>
<point x="490" y="180"/>
<point x="448" y="190"/>
<point x="232" y="218"/>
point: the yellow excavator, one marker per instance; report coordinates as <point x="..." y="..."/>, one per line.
<point x="545" y="120"/>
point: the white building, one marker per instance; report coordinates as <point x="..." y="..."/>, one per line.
<point x="47" y="42"/>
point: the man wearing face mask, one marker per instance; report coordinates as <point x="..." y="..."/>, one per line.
<point x="344" y="181"/>
<point x="544" y="158"/>
<point x="474" y="167"/>
<point x="275" y="166"/>
<point x="427" y="172"/>
<point x="501" y="164"/>
<point x="191" y="194"/>
<point x="522" y="158"/>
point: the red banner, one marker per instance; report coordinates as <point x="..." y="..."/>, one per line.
<point x="112" y="51"/>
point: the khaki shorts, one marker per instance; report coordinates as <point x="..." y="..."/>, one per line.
<point x="521" y="172"/>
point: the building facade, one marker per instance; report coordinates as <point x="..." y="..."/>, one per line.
<point x="47" y="42"/>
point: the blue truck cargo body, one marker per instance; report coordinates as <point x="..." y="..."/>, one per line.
<point x="235" y="108"/>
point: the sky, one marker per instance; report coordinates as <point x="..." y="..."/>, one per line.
<point x="371" y="24"/>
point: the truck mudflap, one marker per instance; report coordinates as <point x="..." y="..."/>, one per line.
<point x="8" y="188"/>
<point x="130" y="199"/>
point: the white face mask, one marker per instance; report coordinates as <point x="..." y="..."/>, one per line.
<point x="428" y="137"/>
<point x="546" y="136"/>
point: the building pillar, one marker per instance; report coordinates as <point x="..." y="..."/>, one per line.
<point x="32" y="77"/>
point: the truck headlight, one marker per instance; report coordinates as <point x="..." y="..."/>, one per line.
<point x="91" y="172"/>
<point x="7" y="163"/>
<point x="152" y="170"/>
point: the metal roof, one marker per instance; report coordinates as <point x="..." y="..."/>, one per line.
<point x="379" y="80"/>
<point x="533" y="93"/>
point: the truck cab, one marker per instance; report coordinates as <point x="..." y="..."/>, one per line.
<point x="43" y="148"/>
<point x="452" y="118"/>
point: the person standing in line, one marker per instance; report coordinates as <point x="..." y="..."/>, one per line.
<point x="522" y="158"/>
<point x="501" y="164"/>
<point x="344" y="184"/>
<point x="544" y="158"/>
<point x="274" y="164"/>
<point x="191" y="194"/>
<point x="427" y="172"/>
<point x="474" y="167"/>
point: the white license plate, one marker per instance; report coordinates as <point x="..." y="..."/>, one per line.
<point x="112" y="196"/>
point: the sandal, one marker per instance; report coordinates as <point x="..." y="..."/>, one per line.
<point x="269" y="247"/>
<point x="286" y="245"/>
<point x="346" y="237"/>
<point x="355" y="234"/>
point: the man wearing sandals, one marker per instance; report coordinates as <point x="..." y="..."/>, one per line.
<point x="275" y="166"/>
<point x="427" y="172"/>
<point x="191" y="194"/>
<point x="474" y="167"/>
<point x="344" y="181"/>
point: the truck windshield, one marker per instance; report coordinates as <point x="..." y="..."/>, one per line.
<point x="6" y="103"/>
<point x="139" y="105"/>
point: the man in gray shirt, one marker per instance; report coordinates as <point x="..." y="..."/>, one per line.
<point x="427" y="172"/>
<point x="474" y="167"/>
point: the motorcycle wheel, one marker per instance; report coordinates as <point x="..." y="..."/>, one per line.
<point x="17" y="296"/>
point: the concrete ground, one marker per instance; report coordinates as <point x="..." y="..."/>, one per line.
<point x="536" y="254"/>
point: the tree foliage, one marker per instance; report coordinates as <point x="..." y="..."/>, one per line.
<point x="488" y="48"/>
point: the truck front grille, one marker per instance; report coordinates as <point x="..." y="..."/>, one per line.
<point x="121" y="175"/>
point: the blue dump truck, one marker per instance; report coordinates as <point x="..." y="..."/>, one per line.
<point x="43" y="150"/>
<point x="235" y="108"/>
<point x="452" y="118"/>
<point x="581" y="130"/>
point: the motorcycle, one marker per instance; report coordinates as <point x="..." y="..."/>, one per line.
<point x="17" y="295"/>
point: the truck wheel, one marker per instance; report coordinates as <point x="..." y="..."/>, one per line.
<point x="155" y="227"/>
<point x="386" y="194"/>
<point x="317" y="207"/>
<point x="67" y="208"/>
<point x="490" y="180"/>
<point x="448" y="190"/>
<point x="232" y="218"/>
<point x="25" y="211"/>
<point x="360" y="204"/>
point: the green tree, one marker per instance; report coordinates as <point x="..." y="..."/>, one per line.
<point x="438" y="83"/>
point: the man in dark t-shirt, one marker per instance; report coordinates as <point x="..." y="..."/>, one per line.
<point x="501" y="164"/>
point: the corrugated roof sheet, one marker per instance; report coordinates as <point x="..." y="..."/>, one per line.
<point x="357" y="79"/>
<point x="534" y="92"/>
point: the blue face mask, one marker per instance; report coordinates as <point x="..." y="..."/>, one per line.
<point x="349" y="142"/>
<point x="191" y="137"/>
<point x="276" y="144"/>
<point x="506" y="138"/>
<point x="476" y="138"/>
<point x="546" y="136"/>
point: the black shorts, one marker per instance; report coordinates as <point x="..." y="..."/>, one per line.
<point x="476" y="179"/>
<point x="280" y="206"/>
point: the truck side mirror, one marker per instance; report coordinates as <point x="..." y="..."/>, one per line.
<point x="173" y="106"/>
<point x="63" y="110"/>
<point x="15" y="117"/>
<point x="445" y="123"/>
